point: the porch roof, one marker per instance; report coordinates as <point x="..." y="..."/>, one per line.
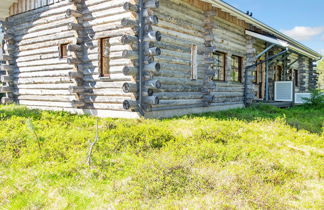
<point x="300" y="48"/>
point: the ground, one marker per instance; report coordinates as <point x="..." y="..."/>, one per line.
<point x="258" y="157"/>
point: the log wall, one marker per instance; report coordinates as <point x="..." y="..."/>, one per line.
<point x="183" y="24"/>
<point x="43" y="80"/>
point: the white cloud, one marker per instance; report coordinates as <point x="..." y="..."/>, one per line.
<point x="303" y="33"/>
<point x="321" y="52"/>
<point x="323" y="37"/>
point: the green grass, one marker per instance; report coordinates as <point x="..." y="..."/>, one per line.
<point x="259" y="157"/>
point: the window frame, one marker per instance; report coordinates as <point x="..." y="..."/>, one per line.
<point x="224" y="66"/>
<point x="63" y="54"/>
<point x="194" y="62"/>
<point x="240" y="68"/>
<point x="102" y="72"/>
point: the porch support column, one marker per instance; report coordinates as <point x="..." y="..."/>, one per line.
<point x="313" y="75"/>
<point x="249" y="93"/>
<point x="302" y="74"/>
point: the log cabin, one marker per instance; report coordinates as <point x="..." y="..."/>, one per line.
<point x="151" y="58"/>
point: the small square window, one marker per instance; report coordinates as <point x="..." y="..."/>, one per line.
<point x="63" y="51"/>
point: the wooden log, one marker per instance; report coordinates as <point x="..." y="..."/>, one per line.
<point x="6" y="78"/>
<point x="152" y="4"/>
<point x="74" y="26"/>
<point x="6" y="89"/>
<point x="154" y="51"/>
<point x="8" y="68"/>
<point x="73" y="13"/>
<point x="74" y="61"/>
<point x="153" y="84"/>
<point x="152" y="20"/>
<point x="150" y="68"/>
<point x="74" y="48"/>
<point x="129" y="87"/>
<point x="76" y="89"/>
<point x="153" y="36"/>
<point x="6" y="100"/>
<point x="129" y="104"/>
<point x="208" y="98"/>
<point x="75" y="75"/>
<point x="126" y="22"/>
<point x="78" y="104"/>
<point x="127" y="39"/>
<point x="130" y="7"/>
<point x="7" y="58"/>
<point x="130" y="54"/>
<point x="8" y="36"/>
<point x="151" y="100"/>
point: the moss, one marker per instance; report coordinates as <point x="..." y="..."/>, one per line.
<point x="259" y="157"/>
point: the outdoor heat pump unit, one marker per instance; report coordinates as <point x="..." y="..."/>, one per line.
<point x="283" y="91"/>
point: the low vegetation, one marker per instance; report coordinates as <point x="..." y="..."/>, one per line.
<point x="259" y="157"/>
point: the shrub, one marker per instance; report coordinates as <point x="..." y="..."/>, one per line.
<point x="316" y="99"/>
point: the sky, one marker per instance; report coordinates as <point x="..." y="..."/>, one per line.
<point x="302" y="20"/>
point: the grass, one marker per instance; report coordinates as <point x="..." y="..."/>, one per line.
<point x="259" y="157"/>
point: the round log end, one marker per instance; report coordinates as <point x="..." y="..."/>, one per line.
<point x="157" y="66"/>
<point x="126" y="87"/>
<point x="150" y="92"/>
<point x="158" y="36"/>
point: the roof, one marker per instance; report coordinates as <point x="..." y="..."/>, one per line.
<point x="4" y="8"/>
<point x="300" y="48"/>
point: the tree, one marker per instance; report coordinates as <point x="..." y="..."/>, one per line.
<point x="320" y="67"/>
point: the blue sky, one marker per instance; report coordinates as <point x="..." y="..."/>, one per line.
<point x="302" y="20"/>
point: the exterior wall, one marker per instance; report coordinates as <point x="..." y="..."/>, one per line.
<point x="183" y="24"/>
<point x="42" y="80"/>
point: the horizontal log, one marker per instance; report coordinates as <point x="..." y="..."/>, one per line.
<point x="4" y="67"/>
<point x="153" y="84"/>
<point x="152" y="4"/>
<point x="154" y="51"/>
<point x="128" y="39"/>
<point x="73" y="61"/>
<point x="129" y="104"/>
<point x="126" y="22"/>
<point x="6" y="89"/>
<point x="75" y="75"/>
<point x="151" y="20"/>
<point x="7" y="58"/>
<point x="151" y="100"/>
<point x="73" y="13"/>
<point x="129" y="87"/>
<point x="153" y="36"/>
<point x="6" y="78"/>
<point x="76" y="89"/>
<point x="74" y="26"/>
<point x="78" y="104"/>
<point x="6" y="100"/>
<point x="130" y="7"/>
<point x="74" y="48"/>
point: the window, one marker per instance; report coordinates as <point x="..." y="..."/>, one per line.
<point x="104" y="51"/>
<point x="194" y="62"/>
<point x="236" y="68"/>
<point x="63" y="51"/>
<point x="296" y="77"/>
<point x="220" y="67"/>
